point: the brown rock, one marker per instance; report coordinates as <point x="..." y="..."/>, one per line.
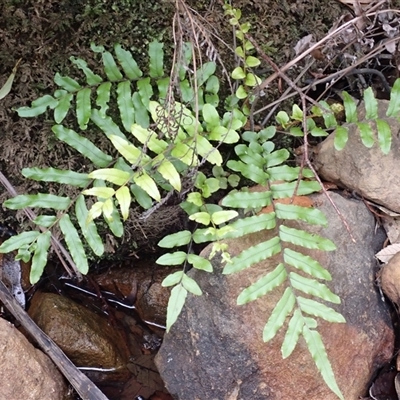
<point x="27" y="373"/>
<point x="86" y="338"/>
<point x="390" y="279"/>
<point x="215" y="349"/>
<point x="144" y="282"/>
<point x="367" y="171"/>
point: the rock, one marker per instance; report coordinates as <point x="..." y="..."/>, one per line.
<point x="390" y="279"/>
<point x="215" y="349"/>
<point x="151" y="299"/>
<point x="27" y="373"/>
<point x="367" y="171"/>
<point x="85" y="337"/>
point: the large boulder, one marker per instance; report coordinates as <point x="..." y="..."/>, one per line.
<point x="215" y="349"/>
<point x="366" y="171"/>
<point x="27" y="373"/>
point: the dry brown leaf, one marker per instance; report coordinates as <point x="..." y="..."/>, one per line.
<point x="388" y="252"/>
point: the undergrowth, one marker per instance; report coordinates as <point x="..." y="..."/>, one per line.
<point x="163" y="131"/>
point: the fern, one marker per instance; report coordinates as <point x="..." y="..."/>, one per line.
<point x="159" y="143"/>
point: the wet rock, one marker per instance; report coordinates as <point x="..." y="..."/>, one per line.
<point x="143" y="284"/>
<point x="367" y="171"/>
<point x="27" y="373"/>
<point x="86" y="338"/>
<point x="215" y="349"/>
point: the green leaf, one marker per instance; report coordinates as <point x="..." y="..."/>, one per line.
<point x="256" y="223"/>
<point x="145" y="90"/>
<point x="92" y="79"/>
<point x="141" y="196"/>
<point x="200" y="263"/>
<point x="208" y="151"/>
<point x="366" y="133"/>
<point x="45" y="220"/>
<point x="63" y="106"/>
<point x="5" y="89"/>
<point x="276" y="157"/>
<point x="88" y="229"/>
<point x="124" y="200"/>
<point x="130" y="152"/>
<point x="306" y="264"/>
<point x="66" y="177"/>
<point x="252" y="172"/>
<point x="350" y="108"/>
<point x="83" y="145"/>
<point x="39" y="258"/>
<point x="170" y="174"/>
<point x="238" y="73"/>
<point x="114" y="221"/>
<point x="282" y="190"/>
<point x="106" y="124"/>
<point x="101" y="192"/>
<point x="278" y="316"/>
<point x="318" y="352"/>
<point x="127" y="62"/>
<point x="212" y="85"/>
<point x="241" y="92"/>
<point x="252" y="61"/>
<point x="172" y="279"/>
<point x="313" y="287"/>
<point x="310" y="215"/>
<point x="185" y="154"/>
<point x="141" y="113"/>
<point x="297" y="113"/>
<point x="210" y="116"/>
<point x="191" y="285"/>
<point x="318" y="132"/>
<point x="67" y="83"/>
<point x="149" y="138"/>
<point x="295" y="327"/>
<point x="95" y="211"/>
<point x="40" y="200"/>
<point x="305" y="239"/>
<point x="384" y="135"/>
<point x="125" y="104"/>
<point x="282" y="118"/>
<point x="39" y="106"/>
<point x="83" y="107"/>
<point x="156" y="54"/>
<point x="147" y="184"/>
<point x="103" y="97"/>
<point x="253" y="255"/>
<point x="108" y="210"/>
<point x="112" y="175"/>
<point x="18" y="241"/>
<point x="341" y="137"/>
<point x="204" y="72"/>
<point x="175" y="304"/>
<point x="201" y="217"/>
<point x="394" y="103"/>
<point x="176" y="258"/>
<point x="175" y="239"/>
<point x="320" y="310"/>
<point x="252" y="80"/>
<point x="247" y="199"/>
<point x="220" y="217"/>
<point x="263" y="285"/>
<point x="74" y="244"/>
<point x="371" y="104"/>
<point x="110" y="67"/>
<point x="163" y="86"/>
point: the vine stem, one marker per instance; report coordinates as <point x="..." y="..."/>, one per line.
<point x="55" y="243"/>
